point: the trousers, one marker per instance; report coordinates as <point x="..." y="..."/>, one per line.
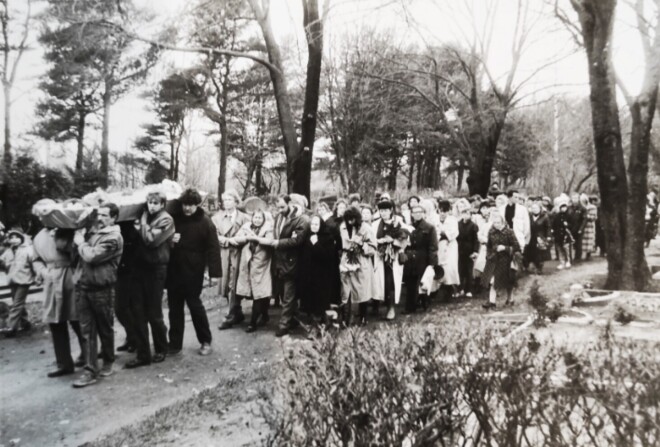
<point x="178" y="296"/>
<point x="96" y="322"/>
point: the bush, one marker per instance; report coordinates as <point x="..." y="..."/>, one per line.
<point x="623" y="316"/>
<point x="455" y="384"/>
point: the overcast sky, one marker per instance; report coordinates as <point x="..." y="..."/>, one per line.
<point x="422" y="21"/>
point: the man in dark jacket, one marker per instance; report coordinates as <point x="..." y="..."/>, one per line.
<point x="291" y="226"/>
<point x="468" y="249"/>
<point x="421" y="253"/>
<point x="195" y="247"/>
<point x="100" y="252"/>
<point x="156" y="228"/>
<point x="126" y="284"/>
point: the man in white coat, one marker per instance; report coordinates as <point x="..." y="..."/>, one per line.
<point x="517" y="217"/>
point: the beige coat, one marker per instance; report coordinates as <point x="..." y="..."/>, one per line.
<point x="357" y="280"/>
<point x="53" y="265"/>
<point x="229" y="256"/>
<point x="254" y="275"/>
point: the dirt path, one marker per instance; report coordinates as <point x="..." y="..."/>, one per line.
<point x="216" y="397"/>
<point x="38" y="411"/>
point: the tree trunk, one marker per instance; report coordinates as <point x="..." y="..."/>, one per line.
<point x="394" y="172"/>
<point x="223" y="148"/>
<point x="636" y="274"/>
<point x="7" y="154"/>
<point x="300" y="182"/>
<point x="280" y="89"/>
<point x="459" y="178"/>
<point x="80" y="141"/>
<point x="105" y="145"/>
<point x="596" y="19"/>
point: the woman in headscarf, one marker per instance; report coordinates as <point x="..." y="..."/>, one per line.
<point x="318" y="282"/>
<point x="254" y="275"/>
<point x="501" y="249"/>
<point x="356" y="265"/>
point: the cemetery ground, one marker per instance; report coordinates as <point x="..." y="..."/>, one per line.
<point x="191" y="400"/>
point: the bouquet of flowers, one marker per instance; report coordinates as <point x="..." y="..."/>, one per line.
<point x="353" y="253"/>
<point x="390" y="250"/>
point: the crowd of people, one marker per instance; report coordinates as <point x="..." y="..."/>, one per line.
<point x="335" y="265"/>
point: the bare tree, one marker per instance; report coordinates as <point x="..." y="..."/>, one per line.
<point x="15" y="32"/>
<point x="623" y="191"/>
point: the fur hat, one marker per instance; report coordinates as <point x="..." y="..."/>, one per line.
<point x="299" y="200"/>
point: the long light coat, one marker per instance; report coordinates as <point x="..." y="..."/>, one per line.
<point x="54" y="267"/>
<point x="448" y="250"/>
<point x="379" y="268"/>
<point x="521" y="225"/>
<point x="254" y="275"/>
<point x="484" y="227"/>
<point x="229" y="255"/>
<point x="357" y="282"/>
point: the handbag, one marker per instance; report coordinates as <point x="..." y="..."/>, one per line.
<point x="542" y="243"/>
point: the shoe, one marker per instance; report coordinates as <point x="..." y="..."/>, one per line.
<point x="85" y="379"/>
<point x="158" y="357"/>
<point x="391" y="313"/>
<point x="468" y="295"/>
<point x="251" y="328"/>
<point x="509" y="303"/>
<point x="173" y="351"/>
<point x="408" y="312"/>
<point x="80" y="362"/>
<point x="205" y="349"/>
<point x="281" y="332"/>
<point x="136" y="363"/>
<point x="560" y="267"/>
<point x="60" y="373"/>
<point x="489" y="305"/>
<point x="568" y="265"/>
<point x="123" y="347"/>
<point x="231" y="320"/>
<point x="106" y="370"/>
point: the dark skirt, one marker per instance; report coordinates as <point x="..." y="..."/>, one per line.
<point x="499" y="267"/>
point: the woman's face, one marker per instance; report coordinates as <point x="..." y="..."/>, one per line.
<point x="413" y="202"/>
<point x="341" y="209"/>
<point x="257" y="219"/>
<point x="485" y="211"/>
<point x="498" y="222"/>
<point x="367" y="215"/>
<point x="315" y="224"/>
<point x="385" y="213"/>
<point x="535" y="209"/>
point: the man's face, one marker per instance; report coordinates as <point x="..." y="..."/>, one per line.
<point x="575" y="199"/>
<point x="413" y="203"/>
<point x="103" y="218"/>
<point x="189" y="209"/>
<point x="513" y="199"/>
<point x="228" y="203"/>
<point x="282" y="207"/>
<point x="154" y="206"/>
<point x="417" y="213"/>
<point x="385" y="213"/>
<point x="466" y="215"/>
<point x="341" y="209"/>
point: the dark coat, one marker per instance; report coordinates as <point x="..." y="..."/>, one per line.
<point x="468" y="240"/>
<point x="540" y="229"/>
<point x="197" y="249"/>
<point x="423" y="249"/>
<point x="498" y="264"/>
<point x="317" y="279"/>
<point x="561" y="229"/>
<point x="289" y="239"/>
<point x="577" y="219"/>
<point x="129" y="258"/>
